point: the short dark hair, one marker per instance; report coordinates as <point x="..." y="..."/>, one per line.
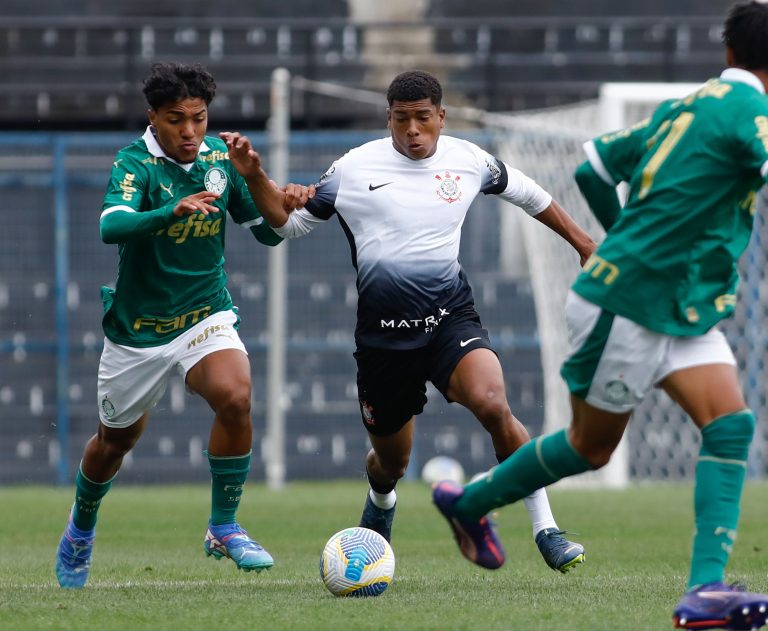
<point x="746" y="34"/>
<point x="415" y="85"/>
<point x="172" y="82"/>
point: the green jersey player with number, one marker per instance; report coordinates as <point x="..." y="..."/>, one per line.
<point x="645" y="309"/>
<point x="166" y="208"/>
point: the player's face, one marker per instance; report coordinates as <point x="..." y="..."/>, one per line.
<point x="180" y="127"/>
<point x="415" y="127"/>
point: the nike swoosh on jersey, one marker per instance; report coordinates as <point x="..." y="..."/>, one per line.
<point x="463" y="343"/>
<point x="371" y="187"/>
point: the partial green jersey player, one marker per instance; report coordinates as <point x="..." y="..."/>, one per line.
<point x="694" y="169"/>
<point x="171" y="269"/>
<point x="645" y="309"/>
<point x="166" y="208"/>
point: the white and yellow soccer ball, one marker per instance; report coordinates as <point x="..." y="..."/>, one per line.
<point x="442" y="468"/>
<point x="357" y="562"/>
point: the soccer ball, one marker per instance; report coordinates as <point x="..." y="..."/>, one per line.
<point x="357" y="562"/>
<point x="442" y="468"/>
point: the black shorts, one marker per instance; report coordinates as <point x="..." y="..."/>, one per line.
<point x="392" y="384"/>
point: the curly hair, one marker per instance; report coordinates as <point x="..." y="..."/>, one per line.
<point x="415" y="85"/>
<point x="746" y="34"/>
<point x="173" y="82"/>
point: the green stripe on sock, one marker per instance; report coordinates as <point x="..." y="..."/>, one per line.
<point x="536" y="464"/>
<point x="228" y="475"/>
<point x="88" y="496"/>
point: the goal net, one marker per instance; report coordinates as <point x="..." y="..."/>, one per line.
<point x="547" y="146"/>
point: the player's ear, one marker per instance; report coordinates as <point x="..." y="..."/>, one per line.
<point x="389" y="118"/>
<point x="151" y="115"/>
<point x="441" y="116"/>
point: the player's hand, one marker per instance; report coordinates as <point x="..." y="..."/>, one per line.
<point x="296" y="195"/>
<point x="242" y="155"/>
<point x="199" y="202"/>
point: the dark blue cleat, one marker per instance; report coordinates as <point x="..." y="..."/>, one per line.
<point x="721" y="606"/>
<point x="377" y="519"/>
<point x="559" y="553"/>
<point x="73" y="557"/>
<point x="476" y="538"/>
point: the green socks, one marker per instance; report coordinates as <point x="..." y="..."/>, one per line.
<point x="228" y="474"/>
<point x="720" y="474"/>
<point x="536" y="464"/>
<point x="88" y="495"/>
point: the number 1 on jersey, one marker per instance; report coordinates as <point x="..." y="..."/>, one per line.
<point x="677" y="129"/>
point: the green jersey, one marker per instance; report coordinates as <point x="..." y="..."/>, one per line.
<point x="694" y="168"/>
<point x="171" y="269"/>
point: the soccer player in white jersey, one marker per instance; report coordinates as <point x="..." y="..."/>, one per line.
<point x="166" y="208"/>
<point x="645" y="310"/>
<point x="401" y="201"/>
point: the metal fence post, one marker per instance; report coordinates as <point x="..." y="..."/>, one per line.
<point x="61" y="259"/>
<point x="278" y="128"/>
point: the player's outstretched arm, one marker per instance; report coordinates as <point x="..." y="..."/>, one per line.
<point x="601" y="196"/>
<point x="120" y="224"/>
<point x="559" y="221"/>
<point x="270" y="200"/>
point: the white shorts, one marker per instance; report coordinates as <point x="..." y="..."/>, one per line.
<point x="132" y="380"/>
<point x="614" y="361"/>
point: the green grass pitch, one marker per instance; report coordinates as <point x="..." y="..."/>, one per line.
<point x="150" y="572"/>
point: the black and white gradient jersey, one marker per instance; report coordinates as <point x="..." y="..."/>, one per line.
<point x="403" y="220"/>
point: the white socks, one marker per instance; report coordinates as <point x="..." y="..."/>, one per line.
<point x="539" y="511"/>
<point x="385" y="501"/>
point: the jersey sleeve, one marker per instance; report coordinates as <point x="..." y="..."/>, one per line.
<point x="127" y="184"/>
<point x="123" y="216"/>
<point x="245" y="213"/>
<point x="512" y="185"/>
<point x="323" y="204"/>
<point x="616" y="155"/>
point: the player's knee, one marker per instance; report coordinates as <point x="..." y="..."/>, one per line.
<point x="729" y="436"/>
<point x="114" y="447"/>
<point x="234" y="403"/>
<point x="597" y="454"/>
<point x="394" y="466"/>
<point x="597" y="457"/>
<point x="492" y="410"/>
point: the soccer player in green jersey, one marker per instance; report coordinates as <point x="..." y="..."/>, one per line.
<point x="166" y="208"/>
<point x="645" y="309"/>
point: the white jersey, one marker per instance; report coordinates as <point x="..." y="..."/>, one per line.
<point x="403" y="220"/>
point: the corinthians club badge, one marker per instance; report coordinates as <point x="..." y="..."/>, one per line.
<point x="448" y="189"/>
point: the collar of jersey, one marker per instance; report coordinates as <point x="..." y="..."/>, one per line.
<point x="156" y="150"/>
<point x="739" y="75"/>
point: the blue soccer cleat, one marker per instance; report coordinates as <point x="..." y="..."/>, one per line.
<point x="73" y="557"/>
<point x="559" y="553"/>
<point x="231" y="541"/>
<point x="377" y="519"/>
<point x="476" y="538"/>
<point x="721" y="606"/>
